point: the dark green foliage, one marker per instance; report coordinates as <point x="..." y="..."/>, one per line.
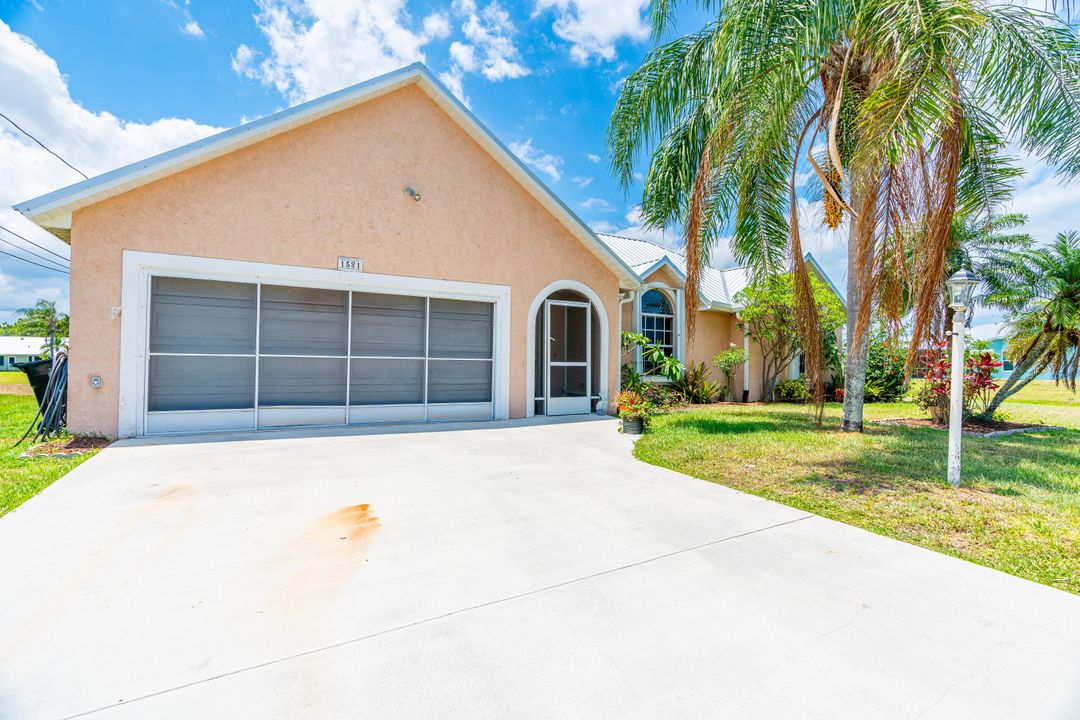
<point x="884" y="370"/>
<point x="793" y="391"/>
<point x="696" y="386"/>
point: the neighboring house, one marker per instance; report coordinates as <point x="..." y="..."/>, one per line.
<point x="374" y="255"/>
<point x="20" y="349"/>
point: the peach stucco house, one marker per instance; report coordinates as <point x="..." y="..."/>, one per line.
<point x="375" y="255"/>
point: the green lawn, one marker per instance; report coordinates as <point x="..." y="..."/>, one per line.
<point x="22" y="478"/>
<point x="1018" y="509"/>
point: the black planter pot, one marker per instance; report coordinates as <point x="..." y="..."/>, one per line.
<point x="633" y="426"/>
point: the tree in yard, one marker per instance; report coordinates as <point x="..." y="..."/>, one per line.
<point x="908" y="101"/>
<point x="1039" y="288"/>
<point x="768" y="319"/>
<point x="41" y="320"/>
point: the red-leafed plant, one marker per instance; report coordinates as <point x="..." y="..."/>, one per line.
<point x="979" y="382"/>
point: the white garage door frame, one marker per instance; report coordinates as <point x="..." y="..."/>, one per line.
<point x="139" y="267"/>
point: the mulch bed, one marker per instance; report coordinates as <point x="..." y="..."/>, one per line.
<point x="68" y="447"/>
<point x="971" y="426"/>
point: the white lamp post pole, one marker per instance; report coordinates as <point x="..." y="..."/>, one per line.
<point x="956" y="397"/>
<point x="961" y="286"/>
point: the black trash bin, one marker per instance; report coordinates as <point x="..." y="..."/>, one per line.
<point x="37" y="372"/>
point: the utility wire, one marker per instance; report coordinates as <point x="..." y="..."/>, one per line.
<point x="40" y="247"/>
<point x="34" y="255"/>
<point x="43" y="145"/>
<point x="47" y="267"/>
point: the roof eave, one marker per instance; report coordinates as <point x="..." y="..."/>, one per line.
<point x="53" y="211"/>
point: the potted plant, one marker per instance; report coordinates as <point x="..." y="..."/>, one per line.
<point x="634" y="411"/>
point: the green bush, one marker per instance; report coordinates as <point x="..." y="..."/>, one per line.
<point x="662" y="396"/>
<point x="793" y="391"/>
<point x="695" y="385"/>
<point x="884" y="370"/>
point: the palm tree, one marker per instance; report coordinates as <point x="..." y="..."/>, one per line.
<point x="1040" y="290"/>
<point x="910" y="97"/>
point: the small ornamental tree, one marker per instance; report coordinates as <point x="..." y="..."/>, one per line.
<point x="768" y="317"/>
<point x="727" y="362"/>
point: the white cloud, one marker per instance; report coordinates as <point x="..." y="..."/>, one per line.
<point x="595" y="159"/>
<point x="192" y="28"/>
<point x="595" y="203"/>
<point x="583" y="181"/>
<point x="635" y="228"/>
<point x="490" y="50"/>
<point x="593" y="27"/>
<point x="318" y="46"/>
<point x="539" y="160"/>
<point x="37" y="97"/>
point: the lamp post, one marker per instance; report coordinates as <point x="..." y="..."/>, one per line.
<point x="961" y="286"/>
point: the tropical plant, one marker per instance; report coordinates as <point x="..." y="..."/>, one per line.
<point x="633" y="405"/>
<point x="653" y="355"/>
<point x="934" y="394"/>
<point x="793" y="391"/>
<point x="727" y="363"/>
<point x="696" y="386"/>
<point x="768" y="319"/>
<point x="913" y="104"/>
<point x="1039" y="289"/>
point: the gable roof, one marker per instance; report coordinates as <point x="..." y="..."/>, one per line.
<point x="53" y="211"/>
<point x="718" y="286"/>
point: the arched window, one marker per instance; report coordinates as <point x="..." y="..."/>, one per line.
<point x="657" y="324"/>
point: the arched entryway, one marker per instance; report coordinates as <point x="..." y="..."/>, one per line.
<point x="567" y="353"/>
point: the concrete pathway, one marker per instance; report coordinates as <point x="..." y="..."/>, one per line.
<point x="510" y="570"/>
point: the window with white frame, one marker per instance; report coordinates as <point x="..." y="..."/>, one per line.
<point x="657" y="324"/>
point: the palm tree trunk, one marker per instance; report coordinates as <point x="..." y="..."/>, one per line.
<point x="855" y="364"/>
<point x="1019" y="377"/>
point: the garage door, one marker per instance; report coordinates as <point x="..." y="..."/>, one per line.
<point x="233" y="355"/>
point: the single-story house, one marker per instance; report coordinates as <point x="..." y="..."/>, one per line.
<point x="374" y="255"/>
<point x="20" y="349"/>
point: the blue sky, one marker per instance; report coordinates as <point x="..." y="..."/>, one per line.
<point x="105" y="83"/>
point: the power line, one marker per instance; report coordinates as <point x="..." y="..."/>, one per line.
<point x="41" y="247"/>
<point x="47" y="267"/>
<point x="33" y="254"/>
<point x="43" y="146"/>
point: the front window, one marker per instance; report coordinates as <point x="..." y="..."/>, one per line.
<point x="657" y="324"/>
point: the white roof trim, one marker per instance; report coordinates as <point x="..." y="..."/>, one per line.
<point x="667" y="262"/>
<point x="53" y="211"/>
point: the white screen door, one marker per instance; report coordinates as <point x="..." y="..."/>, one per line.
<point x="567" y="375"/>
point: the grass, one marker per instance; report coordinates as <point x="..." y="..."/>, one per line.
<point x="1018" y="509"/>
<point x="22" y="478"/>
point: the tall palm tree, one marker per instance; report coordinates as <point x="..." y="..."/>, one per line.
<point x="1040" y="290"/>
<point x="911" y="98"/>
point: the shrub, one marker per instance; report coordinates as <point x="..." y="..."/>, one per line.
<point x="662" y="396"/>
<point x="695" y="386"/>
<point x="793" y="391"/>
<point x="979" y="382"/>
<point x="884" y="371"/>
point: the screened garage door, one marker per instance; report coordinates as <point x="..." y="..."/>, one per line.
<point x="232" y="356"/>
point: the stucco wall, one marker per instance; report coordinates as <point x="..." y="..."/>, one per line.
<point x="331" y="188"/>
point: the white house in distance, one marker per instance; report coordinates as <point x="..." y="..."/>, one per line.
<point x="18" y="349"/>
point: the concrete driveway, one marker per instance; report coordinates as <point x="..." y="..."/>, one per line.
<point x="509" y="570"/>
